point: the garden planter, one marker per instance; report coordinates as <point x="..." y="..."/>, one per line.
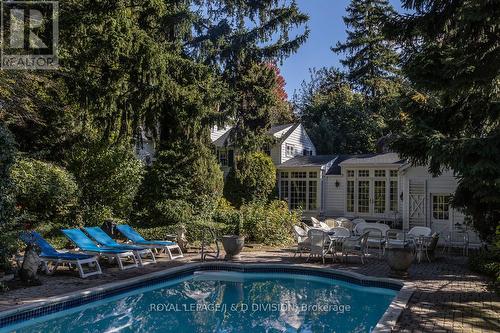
<point x="399" y="259"/>
<point x="233" y="246"/>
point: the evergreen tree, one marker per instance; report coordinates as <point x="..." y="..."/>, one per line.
<point x="337" y="118"/>
<point x="241" y="37"/>
<point x="452" y="56"/>
<point x="371" y="60"/>
<point x="260" y="105"/>
<point x="7" y="202"/>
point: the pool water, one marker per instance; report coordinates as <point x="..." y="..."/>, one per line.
<point x="228" y="302"/>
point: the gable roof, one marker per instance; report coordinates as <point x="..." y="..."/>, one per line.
<point x="222" y="140"/>
<point x="385" y="158"/>
<point x="286" y="130"/>
<point x="363" y="159"/>
<point x="279" y="128"/>
<point x="308" y="161"/>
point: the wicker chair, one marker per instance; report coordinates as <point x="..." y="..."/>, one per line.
<point x="355" y="245"/>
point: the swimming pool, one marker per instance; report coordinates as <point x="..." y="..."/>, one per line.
<point x="223" y="298"/>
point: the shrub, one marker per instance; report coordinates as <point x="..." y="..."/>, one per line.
<point x="7" y="237"/>
<point x="182" y="172"/>
<point x="487" y="263"/>
<point x="228" y="216"/>
<point x="252" y="179"/>
<point x="269" y="223"/>
<point x="46" y="195"/>
<point x="172" y="212"/>
<point x="109" y="177"/>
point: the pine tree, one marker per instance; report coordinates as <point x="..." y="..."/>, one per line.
<point x="371" y="60"/>
<point x="452" y="57"/>
<point x="241" y="38"/>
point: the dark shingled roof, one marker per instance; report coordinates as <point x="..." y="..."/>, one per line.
<point x="308" y="161"/>
<point x="276" y="129"/>
<point x="336" y="170"/>
<point x="221" y="141"/>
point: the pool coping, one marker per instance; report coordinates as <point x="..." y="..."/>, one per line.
<point x="52" y="304"/>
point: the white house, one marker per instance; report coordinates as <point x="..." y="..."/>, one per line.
<point x="374" y="187"/>
<point x="291" y="141"/>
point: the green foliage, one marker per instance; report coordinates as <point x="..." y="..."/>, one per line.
<point x="36" y="111"/>
<point x="269" y="223"/>
<point x="181" y="172"/>
<point x="487" y="263"/>
<point x="171" y="212"/>
<point x="44" y="193"/>
<point x="336" y="117"/>
<point x="227" y="215"/>
<point x="7" y="158"/>
<point x="372" y="60"/>
<point x="109" y="177"/>
<point x="7" y="234"/>
<point x="257" y="105"/>
<point x="252" y="179"/>
<point x="452" y="113"/>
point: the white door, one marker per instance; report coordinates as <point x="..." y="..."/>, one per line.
<point x="416" y="204"/>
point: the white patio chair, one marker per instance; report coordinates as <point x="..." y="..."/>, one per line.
<point x="319" y="246"/>
<point x="343" y="219"/>
<point x="340" y="234"/>
<point x="315" y="222"/>
<point x="355" y="245"/>
<point x="324" y="226"/>
<point x="419" y="231"/>
<point x="302" y="240"/>
<point x="376" y="237"/>
<point x="358" y="228"/>
<point x="358" y="220"/>
<point x="345" y="224"/>
<point x="332" y="223"/>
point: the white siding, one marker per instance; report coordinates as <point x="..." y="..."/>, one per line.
<point x="217" y="132"/>
<point x="334" y="197"/>
<point x="444" y="184"/>
<point x="299" y="140"/>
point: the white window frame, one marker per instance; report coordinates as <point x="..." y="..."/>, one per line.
<point x="437" y="219"/>
<point x="226" y="154"/>
<point x="307" y="179"/>
<point x="287" y="152"/>
<point x="368" y="174"/>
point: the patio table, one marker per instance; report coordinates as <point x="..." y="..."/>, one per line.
<point x="335" y="243"/>
<point x="421" y="245"/>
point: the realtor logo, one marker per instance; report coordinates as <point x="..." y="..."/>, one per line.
<point x="29" y="34"/>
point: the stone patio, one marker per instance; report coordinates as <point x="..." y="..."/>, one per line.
<point x="448" y="297"/>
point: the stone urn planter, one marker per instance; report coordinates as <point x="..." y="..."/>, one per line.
<point x="232" y="246"/>
<point x="399" y="257"/>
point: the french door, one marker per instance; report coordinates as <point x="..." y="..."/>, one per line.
<point x="371" y="193"/>
<point x="371" y="197"/>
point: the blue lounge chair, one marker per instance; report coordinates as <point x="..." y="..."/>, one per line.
<point x="86" y="245"/>
<point x="49" y="256"/>
<point x="137" y="239"/>
<point x="103" y="239"/>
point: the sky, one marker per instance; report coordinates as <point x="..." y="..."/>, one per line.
<point x="327" y="28"/>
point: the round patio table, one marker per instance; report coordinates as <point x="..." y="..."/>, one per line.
<point x="336" y="243"/>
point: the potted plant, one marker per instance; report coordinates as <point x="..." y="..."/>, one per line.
<point x="399" y="255"/>
<point x="233" y="244"/>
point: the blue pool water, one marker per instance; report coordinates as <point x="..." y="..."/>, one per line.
<point x="228" y="302"/>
